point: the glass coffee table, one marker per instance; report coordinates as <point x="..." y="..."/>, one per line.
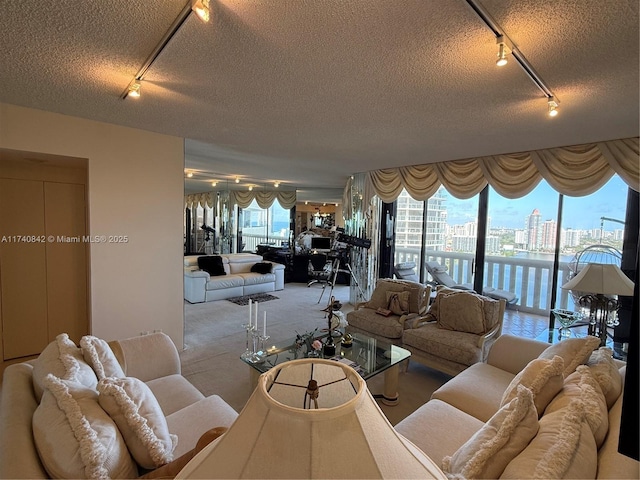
<point x="371" y="356"/>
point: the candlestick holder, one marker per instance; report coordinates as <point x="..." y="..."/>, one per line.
<point x="257" y="356"/>
<point x="248" y="353"/>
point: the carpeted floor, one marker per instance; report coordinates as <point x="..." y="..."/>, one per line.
<point x="215" y="338"/>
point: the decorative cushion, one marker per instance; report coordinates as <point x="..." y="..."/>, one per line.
<point x="581" y="384"/>
<point x="98" y="354"/>
<point x="134" y="408"/>
<point x="417" y="294"/>
<point x="543" y="377"/>
<point x="505" y="435"/>
<point x="574" y="352"/>
<point x="75" y="438"/>
<point x="212" y="264"/>
<point x="461" y="312"/>
<point x="606" y="373"/>
<point x="398" y="302"/>
<point x="262" y="267"/>
<point x="563" y="448"/>
<point x="63" y="359"/>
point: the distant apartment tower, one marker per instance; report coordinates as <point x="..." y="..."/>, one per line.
<point x="534" y="232"/>
<point x="570" y="238"/>
<point x="409" y="213"/>
<point x="549" y="235"/>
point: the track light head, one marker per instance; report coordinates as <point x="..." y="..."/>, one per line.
<point x="237" y="179"/>
<point x="503" y="50"/>
<point x="201" y="8"/>
<point x="553" y="106"/>
<point x="276" y="184"/>
<point x="134" y="89"/>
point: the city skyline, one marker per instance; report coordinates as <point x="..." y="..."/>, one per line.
<point x="609" y="201"/>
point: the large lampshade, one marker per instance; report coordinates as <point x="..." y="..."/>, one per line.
<point x="605" y="279"/>
<point x="280" y="433"/>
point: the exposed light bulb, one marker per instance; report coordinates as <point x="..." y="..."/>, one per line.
<point x="134" y="89"/>
<point x="276" y="184"/>
<point x="213" y="184"/>
<point x="250" y="187"/>
<point x="237" y="179"/>
<point x="553" y="106"/>
<point x="201" y="7"/>
<point x="189" y="174"/>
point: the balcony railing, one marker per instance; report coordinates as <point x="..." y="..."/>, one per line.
<point x="529" y="279"/>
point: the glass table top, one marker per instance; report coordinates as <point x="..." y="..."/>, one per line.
<point x="368" y="356"/>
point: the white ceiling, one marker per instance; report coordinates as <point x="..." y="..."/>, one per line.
<point x="308" y="92"/>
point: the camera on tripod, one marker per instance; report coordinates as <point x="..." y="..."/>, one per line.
<point x="207" y="229"/>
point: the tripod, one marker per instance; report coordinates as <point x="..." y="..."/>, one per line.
<point x="335" y="269"/>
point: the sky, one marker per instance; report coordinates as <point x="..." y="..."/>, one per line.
<point x="580" y="213"/>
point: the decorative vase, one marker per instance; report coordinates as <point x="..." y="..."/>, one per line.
<point x="329" y="349"/>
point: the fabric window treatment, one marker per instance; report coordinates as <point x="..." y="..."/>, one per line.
<point x="264" y="198"/>
<point x="574" y="171"/>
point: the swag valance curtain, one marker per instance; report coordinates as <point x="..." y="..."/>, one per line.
<point x="264" y="198"/>
<point x="574" y="171"/>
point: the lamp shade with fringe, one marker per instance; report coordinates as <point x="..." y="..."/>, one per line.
<point x="311" y="418"/>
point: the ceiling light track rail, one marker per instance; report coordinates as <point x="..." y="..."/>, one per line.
<point x="488" y="20"/>
<point x="173" y="29"/>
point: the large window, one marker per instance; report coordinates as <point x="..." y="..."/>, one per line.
<point x="264" y="226"/>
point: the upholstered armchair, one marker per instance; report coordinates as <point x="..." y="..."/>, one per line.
<point x="456" y="332"/>
<point x="405" y="299"/>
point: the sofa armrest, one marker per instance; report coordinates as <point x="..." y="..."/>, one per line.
<point x="147" y="357"/>
<point x="512" y="354"/>
<point x="197" y="274"/>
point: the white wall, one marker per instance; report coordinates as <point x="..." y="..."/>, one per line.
<point x="135" y="189"/>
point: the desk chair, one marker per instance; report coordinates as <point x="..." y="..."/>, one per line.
<point x="319" y="269"/>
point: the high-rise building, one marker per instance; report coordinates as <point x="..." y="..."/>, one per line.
<point x="534" y="232"/>
<point x="548" y="234"/>
<point x="409" y="214"/>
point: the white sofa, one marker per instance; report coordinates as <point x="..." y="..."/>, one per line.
<point x="239" y="280"/>
<point x="153" y="359"/>
<point x="460" y="427"/>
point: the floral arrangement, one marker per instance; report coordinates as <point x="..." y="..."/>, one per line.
<point x="308" y="339"/>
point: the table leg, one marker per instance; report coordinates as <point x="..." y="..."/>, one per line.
<point x="390" y="394"/>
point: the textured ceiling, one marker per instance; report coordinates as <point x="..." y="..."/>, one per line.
<point x="308" y="92"/>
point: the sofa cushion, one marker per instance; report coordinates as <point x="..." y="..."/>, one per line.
<point x="606" y="373"/>
<point x="368" y="320"/>
<point x="477" y="390"/>
<point x="75" y="437"/>
<point x="505" y="435"/>
<point x="563" y="448"/>
<point x="253" y="278"/>
<point x="461" y="312"/>
<point x="581" y="384"/>
<point x="212" y="264"/>
<point x="459" y="347"/>
<point x="190" y="422"/>
<point x="63" y="359"/>
<point x="174" y="392"/>
<point x="134" y="408"/>
<point x="574" y="352"/>
<point x="98" y="354"/>
<point x="417" y="294"/>
<point x="438" y="416"/>
<point x="543" y="377"/>
<point x="262" y="267"/>
<point x="228" y="281"/>
<point x="398" y="302"/>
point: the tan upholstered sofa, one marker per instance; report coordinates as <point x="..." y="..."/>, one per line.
<point x="237" y="277"/>
<point x="413" y="298"/>
<point x="58" y="420"/>
<point x="457" y="331"/>
<point x="532" y="410"/>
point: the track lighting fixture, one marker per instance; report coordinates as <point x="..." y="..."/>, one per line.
<point x="134" y="89"/>
<point x="250" y="188"/>
<point x="237" y="179"/>
<point x="553" y="106"/>
<point x="189" y="174"/>
<point x="201" y="8"/>
<point x="214" y="183"/>
<point x="276" y="184"/>
<point x="503" y="51"/>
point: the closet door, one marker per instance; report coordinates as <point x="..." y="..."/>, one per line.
<point x="23" y="272"/>
<point x="65" y="219"/>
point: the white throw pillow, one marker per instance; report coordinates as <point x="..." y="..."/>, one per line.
<point x="606" y="373"/>
<point x="502" y="438"/>
<point x="574" y="352"/>
<point x="63" y="359"/>
<point x="75" y="437"/>
<point x="99" y="355"/>
<point x="134" y="408"/>
<point x="543" y="377"/>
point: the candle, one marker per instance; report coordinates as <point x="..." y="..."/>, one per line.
<point x="250" y="318"/>
<point x="256" y="316"/>
<point x="264" y="325"/>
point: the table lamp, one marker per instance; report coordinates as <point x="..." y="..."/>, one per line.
<point x="598" y="282"/>
<point x="311" y="418"/>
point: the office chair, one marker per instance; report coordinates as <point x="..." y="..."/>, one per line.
<point x="319" y="269"/>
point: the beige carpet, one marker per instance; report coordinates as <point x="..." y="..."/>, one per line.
<point x="215" y="338"/>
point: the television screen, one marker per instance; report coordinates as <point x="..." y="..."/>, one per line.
<point x="320" y="243"/>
